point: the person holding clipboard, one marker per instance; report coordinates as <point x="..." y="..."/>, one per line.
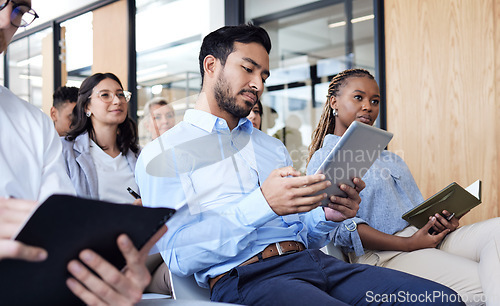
<point x="465" y="259"/>
<point x="32" y="170"/>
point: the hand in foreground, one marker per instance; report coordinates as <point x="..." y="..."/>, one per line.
<point x="13" y="213"/>
<point x="114" y="287"/>
<point x="340" y="208"/>
<point x="422" y="239"/>
<point x="287" y="192"/>
<point x="442" y="223"/>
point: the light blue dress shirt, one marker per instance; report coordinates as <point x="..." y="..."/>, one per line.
<point x="390" y="191"/>
<point x="212" y="175"/>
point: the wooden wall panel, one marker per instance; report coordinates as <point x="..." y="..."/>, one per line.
<point x="110" y="31"/>
<point x="443" y="93"/>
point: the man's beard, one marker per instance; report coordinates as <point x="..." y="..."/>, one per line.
<point x="227" y="102"/>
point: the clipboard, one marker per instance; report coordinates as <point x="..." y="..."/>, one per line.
<point x="65" y="225"/>
<point x="352" y="156"/>
<point x="453" y="198"/>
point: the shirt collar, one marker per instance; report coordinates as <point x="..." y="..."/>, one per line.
<point x="210" y="123"/>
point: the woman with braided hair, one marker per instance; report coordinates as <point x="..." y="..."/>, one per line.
<point x="465" y="259"/>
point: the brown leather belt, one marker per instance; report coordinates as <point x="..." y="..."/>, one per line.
<point x="274" y="249"/>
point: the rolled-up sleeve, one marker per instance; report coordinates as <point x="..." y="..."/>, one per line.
<point x="347" y="236"/>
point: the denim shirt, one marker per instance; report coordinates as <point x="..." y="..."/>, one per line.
<point x="390" y="191"/>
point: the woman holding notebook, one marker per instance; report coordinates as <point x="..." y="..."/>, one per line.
<point x="464" y="258"/>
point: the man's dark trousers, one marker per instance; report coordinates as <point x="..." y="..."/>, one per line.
<point x="311" y="277"/>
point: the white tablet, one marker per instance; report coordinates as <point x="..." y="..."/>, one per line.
<point x="352" y="156"/>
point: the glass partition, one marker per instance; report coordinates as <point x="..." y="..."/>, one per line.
<point x="258" y="8"/>
<point x="77" y="51"/>
<point x="167" y="55"/>
<point x="26" y="65"/>
<point x="308" y="49"/>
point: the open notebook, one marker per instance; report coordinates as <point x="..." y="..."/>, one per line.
<point x="453" y="198"/>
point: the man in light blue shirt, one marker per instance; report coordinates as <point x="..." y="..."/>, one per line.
<point x="248" y="225"/>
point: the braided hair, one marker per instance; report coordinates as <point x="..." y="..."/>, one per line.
<point x="326" y="123"/>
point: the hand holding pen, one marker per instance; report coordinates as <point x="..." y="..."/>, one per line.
<point x="136" y="196"/>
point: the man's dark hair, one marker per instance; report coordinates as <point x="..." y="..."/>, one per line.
<point x="64" y="94"/>
<point x="220" y="43"/>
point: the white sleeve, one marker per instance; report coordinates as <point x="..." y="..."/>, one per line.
<point x="54" y="177"/>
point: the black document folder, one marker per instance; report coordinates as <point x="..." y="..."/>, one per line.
<point x="65" y="225"/>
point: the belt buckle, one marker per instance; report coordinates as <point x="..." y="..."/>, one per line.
<point x="280" y="250"/>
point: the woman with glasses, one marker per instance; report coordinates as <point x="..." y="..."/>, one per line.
<point x="101" y="147"/>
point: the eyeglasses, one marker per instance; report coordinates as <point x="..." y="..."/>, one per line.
<point x="108" y="96"/>
<point x="22" y="15"/>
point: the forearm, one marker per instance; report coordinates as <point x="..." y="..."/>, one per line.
<point x="373" y="239"/>
<point x="196" y="242"/>
<point x="320" y="231"/>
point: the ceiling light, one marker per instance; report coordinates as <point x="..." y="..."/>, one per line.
<point x="34" y="60"/>
<point x="363" y="18"/>
<point x="354" y="20"/>
<point x="152" y="69"/>
<point x="156" y="89"/>
<point x="337" y="24"/>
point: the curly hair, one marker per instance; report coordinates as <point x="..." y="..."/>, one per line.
<point x="63" y="94"/>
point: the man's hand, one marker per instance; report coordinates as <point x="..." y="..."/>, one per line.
<point x="13" y="213"/>
<point x="341" y="209"/>
<point x="287" y="192"/>
<point x="114" y="287"/>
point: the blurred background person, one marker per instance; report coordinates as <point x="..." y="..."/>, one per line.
<point x="64" y="100"/>
<point x="255" y="115"/>
<point x="101" y="147"/>
<point x="159" y="117"/>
